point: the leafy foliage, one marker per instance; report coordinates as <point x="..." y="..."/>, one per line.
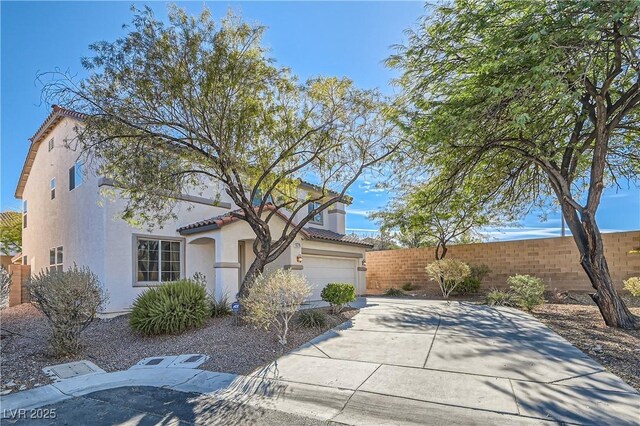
<point x="338" y="295"/>
<point x="5" y="287"/>
<point x="311" y="318"/>
<point x="473" y="282"/>
<point x="407" y="287"/>
<point x="394" y="292"/>
<point x="528" y="290"/>
<point x="70" y="301"/>
<point x="170" y="308"/>
<point x="10" y="233"/>
<point x="219" y="307"/>
<point x="274" y="298"/>
<point x="632" y="285"/>
<point x="501" y="298"/>
<point x="181" y="106"/>
<point x="448" y="273"/>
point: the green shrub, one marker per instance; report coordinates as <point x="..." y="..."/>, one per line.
<point x="338" y="295"/>
<point x="470" y="285"/>
<point x="219" y="307"/>
<point x="632" y="285"/>
<point x="170" y="308"/>
<point x="70" y="301"/>
<point x="528" y="290"/>
<point x="448" y="273"/>
<point x="501" y="298"/>
<point x="394" y="292"/>
<point x="312" y="318"/>
<point x="479" y="271"/>
<point x="407" y="287"/>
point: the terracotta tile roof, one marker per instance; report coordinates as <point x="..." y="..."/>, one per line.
<point x="325" y="234"/>
<point x="57" y="114"/>
<point x="218" y="222"/>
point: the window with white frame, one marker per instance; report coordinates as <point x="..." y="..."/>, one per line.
<point x="55" y="259"/>
<point x="75" y="176"/>
<point x="158" y="260"/>
<point x="50" y="144"/>
<point x="53" y="188"/>
<point x="317" y="218"/>
<point x="24" y="213"/>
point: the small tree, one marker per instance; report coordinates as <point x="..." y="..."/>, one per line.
<point x="183" y="106"/>
<point x="274" y="298"/>
<point x="5" y="287"/>
<point x="70" y="300"/>
<point x="422" y="218"/>
<point x="528" y="290"/>
<point x="448" y="273"/>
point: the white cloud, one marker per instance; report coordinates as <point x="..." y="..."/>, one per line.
<point x="358" y="212"/>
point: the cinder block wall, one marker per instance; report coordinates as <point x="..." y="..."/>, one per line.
<point x="555" y="260"/>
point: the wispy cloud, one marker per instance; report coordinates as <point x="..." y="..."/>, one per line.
<point x="617" y="195"/>
<point x="358" y="212"/>
<point x="362" y="230"/>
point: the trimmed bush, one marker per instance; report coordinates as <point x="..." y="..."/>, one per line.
<point x="529" y="290"/>
<point x="312" y="318"/>
<point x="448" y="273"/>
<point x="632" y="285"/>
<point x="70" y="301"/>
<point x="219" y="307"/>
<point x="5" y="287"/>
<point x="274" y="299"/>
<point x="470" y="285"/>
<point x="394" y="292"/>
<point x="338" y="295"/>
<point x="407" y="287"/>
<point x="501" y="298"/>
<point x="170" y="308"/>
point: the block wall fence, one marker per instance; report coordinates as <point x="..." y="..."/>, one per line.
<point x="555" y="260"/>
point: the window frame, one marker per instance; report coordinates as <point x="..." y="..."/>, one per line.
<point x="51" y="144"/>
<point x="56" y="258"/>
<point x="75" y="176"/>
<point x="52" y="188"/>
<point x="159" y="239"/>
<point x="24" y="214"/>
<point x="312" y="205"/>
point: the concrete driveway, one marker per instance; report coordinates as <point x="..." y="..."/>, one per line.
<point x="428" y="362"/>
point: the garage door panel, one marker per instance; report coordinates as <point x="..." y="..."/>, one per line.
<point x="321" y="270"/>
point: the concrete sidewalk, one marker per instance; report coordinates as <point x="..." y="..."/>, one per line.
<point x="397" y="362"/>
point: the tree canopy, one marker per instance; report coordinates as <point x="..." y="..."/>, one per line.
<point x="536" y="99"/>
<point x="190" y="104"/>
<point x="10" y="232"/>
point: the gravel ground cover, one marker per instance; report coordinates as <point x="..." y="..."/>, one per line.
<point x="581" y="324"/>
<point x="113" y="346"/>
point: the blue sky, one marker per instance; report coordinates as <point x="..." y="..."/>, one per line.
<point x="348" y="39"/>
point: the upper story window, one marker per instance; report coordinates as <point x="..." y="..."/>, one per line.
<point x="317" y="218"/>
<point x="51" y="144"/>
<point x="158" y="260"/>
<point x="75" y="176"/>
<point x="53" y="188"/>
<point x="257" y="199"/>
<point x="24" y="213"/>
<point x="55" y="259"/>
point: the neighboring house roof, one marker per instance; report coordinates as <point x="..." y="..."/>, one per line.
<point x="308" y="185"/>
<point x="218" y="222"/>
<point x="57" y="114"/>
<point x="9" y="218"/>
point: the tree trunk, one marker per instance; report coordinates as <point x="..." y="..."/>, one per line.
<point x="589" y="241"/>
<point x="256" y="268"/>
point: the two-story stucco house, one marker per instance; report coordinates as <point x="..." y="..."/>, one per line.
<point x="67" y="219"/>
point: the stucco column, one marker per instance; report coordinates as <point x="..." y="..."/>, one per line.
<point x="226" y="267"/>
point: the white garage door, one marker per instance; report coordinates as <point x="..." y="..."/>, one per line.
<point x="321" y="270"/>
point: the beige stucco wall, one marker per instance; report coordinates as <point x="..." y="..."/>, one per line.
<point x="555" y="260"/>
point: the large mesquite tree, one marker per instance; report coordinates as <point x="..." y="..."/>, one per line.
<point x="540" y="99"/>
<point x="185" y="105"/>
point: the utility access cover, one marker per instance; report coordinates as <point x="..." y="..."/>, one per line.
<point x="71" y="369"/>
